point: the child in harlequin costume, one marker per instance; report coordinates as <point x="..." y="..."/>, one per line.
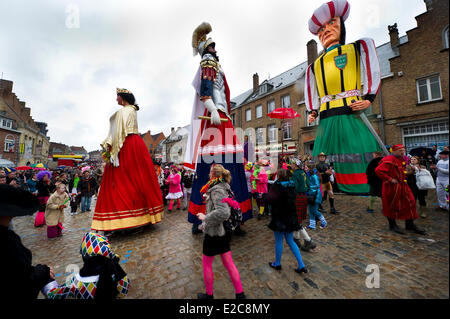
<point x="175" y="192"/>
<point x="101" y="277"/>
<point x="213" y="140"/>
<point x="342" y="81"/>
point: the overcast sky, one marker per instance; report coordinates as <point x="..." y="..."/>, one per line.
<point x="66" y="58"/>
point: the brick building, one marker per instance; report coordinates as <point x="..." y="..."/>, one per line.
<point x="411" y="106"/>
<point x="9" y="137"/>
<point x="152" y="142"/>
<point x="59" y="149"/>
<point x="32" y="146"/>
<point x="415" y="98"/>
<point x="79" y="150"/>
<point x="249" y="112"/>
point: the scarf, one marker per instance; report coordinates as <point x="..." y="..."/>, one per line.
<point x="211" y="183"/>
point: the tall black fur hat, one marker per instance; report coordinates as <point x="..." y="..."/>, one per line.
<point x="17" y="202"/>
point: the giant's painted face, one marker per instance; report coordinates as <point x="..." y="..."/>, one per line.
<point x="330" y="33"/>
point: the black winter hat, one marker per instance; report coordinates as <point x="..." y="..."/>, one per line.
<point x="17" y="202"/>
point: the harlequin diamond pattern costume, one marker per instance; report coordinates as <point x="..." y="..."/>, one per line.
<point x="80" y="286"/>
<point x="343" y="73"/>
<point x="210" y="143"/>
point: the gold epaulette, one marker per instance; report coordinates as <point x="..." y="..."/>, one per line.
<point x="210" y="64"/>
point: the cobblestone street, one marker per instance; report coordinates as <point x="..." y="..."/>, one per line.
<point x="164" y="261"/>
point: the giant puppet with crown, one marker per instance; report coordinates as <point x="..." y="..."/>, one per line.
<point x="341" y="83"/>
<point x="212" y="138"/>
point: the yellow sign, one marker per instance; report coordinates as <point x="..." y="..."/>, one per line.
<point x="68" y="156"/>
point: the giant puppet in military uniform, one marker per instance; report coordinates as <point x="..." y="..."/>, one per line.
<point x="342" y="82"/>
<point x="212" y="138"/>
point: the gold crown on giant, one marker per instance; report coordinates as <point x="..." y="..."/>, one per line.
<point x="123" y="91"/>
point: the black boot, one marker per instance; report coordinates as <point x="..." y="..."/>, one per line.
<point x="410" y="226"/>
<point x="321" y="209"/>
<point x="332" y="209"/>
<point x="308" y="245"/>
<point x="195" y="229"/>
<point x="205" y="296"/>
<point x="274" y="267"/>
<point x="238" y="231"/>
<point x="393" y="226"/>
<point x="241" y="296"/>
<point x="302" y="270"/>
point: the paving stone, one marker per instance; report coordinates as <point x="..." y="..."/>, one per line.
<point x="166" y="260"/>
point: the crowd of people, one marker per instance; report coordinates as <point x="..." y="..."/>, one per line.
<point x="56" y="190"/>
<point x="292" y="194"/>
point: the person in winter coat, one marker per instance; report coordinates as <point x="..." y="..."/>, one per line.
<point x="21" y="280"/>
<point x="217" y="240"/>
<point x="32" y="184"/>
<point x="44" y="188"/>
<point x="86" y="187"/>
<point x="373" y="180"/>
<point x="75" y="196"/>
<point x="175" y="192"/>
<point x="284" y="219"/>
<point x="187" y="181"/>
<point x="314" y="190"/>
<point x="301" y="204"/>
<point x="54" y="212"/>
<point x="419" y="194"/>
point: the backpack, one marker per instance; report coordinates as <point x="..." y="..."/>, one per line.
<point x="235" y="218"/>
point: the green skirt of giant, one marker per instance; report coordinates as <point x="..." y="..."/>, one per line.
<point x="346" y="134"/>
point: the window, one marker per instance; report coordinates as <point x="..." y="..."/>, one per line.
<point x="233" y="119"/>
<point x="316" y="121"/>
<point x="286" y="101"/>
<point x="272" y="130"/>
<point x="259" y="135"/>
<point x="426" y="135"/>
<point x="445" y="38"/>
<point x="248" y="115"/>
<point x="9" y="144"/>
<point x="262" y="89"/>
<point x="429" y="89"/>
<point x="6" y="123"/>
<point x="259" y="111"/>
<point x="287" y="130"/>
<point x="270" y="106"/>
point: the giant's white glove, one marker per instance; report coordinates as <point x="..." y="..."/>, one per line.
<point x="211" y="107"/>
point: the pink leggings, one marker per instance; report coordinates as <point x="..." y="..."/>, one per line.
<point x="228" y="263"/>
<point x="178" y="203"/>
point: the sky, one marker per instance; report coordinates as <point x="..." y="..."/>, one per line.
<point x="66" y="58"/>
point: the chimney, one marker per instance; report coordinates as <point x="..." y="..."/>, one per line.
<point x="6" y="86"/>
<point x="311" y="48"/>
<point x="393" y="33"/>
<point x="255" y="82"/>
<point x="428" y="4"/>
